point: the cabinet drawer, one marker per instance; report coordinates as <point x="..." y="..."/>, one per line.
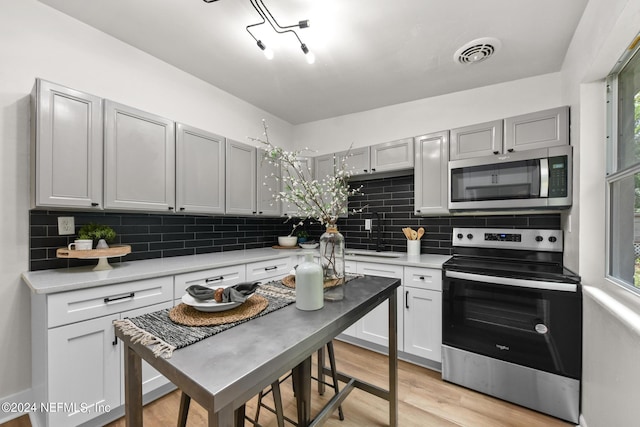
<point x="75" y="306"/>
<point x="382" y="270"/>
<point x="423" y="278"/>
<point x="214" y="278"/>
<point x="274" y="268"/>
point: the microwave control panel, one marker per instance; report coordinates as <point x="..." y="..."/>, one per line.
<point x="558" y="176"/>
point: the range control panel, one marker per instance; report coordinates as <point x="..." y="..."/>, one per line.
<point x="522" y="239"/>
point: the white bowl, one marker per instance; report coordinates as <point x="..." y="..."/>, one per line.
<point x="287" y="240"/>
<point x="309" y="245"/>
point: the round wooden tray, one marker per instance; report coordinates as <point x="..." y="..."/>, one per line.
<point x="100" y="254"/>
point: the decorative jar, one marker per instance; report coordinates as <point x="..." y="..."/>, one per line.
<point x="332" y="261"/>
<point x="309" y="293"/>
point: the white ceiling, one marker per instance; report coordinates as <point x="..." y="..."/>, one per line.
<point x="369" y="53"/>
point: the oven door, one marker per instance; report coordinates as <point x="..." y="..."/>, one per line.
<point x="525" y="322"/>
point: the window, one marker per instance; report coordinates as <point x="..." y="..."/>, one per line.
<point x="623" y="175"/>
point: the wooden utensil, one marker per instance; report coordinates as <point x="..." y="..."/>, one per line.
<point x="420" y="233"/>
<point x="414" y="234"/>
<point x="407" y="233"/>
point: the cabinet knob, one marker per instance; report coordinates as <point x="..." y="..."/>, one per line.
<point x="254" y="212"/>
<point x="496" y="152"/>
<point x="510" y="150"/>
<point x="260" y="213"/>
<point x="170" y="208"/>
<point x="365" y="170"/>
<point x="418" y="210"/>
<point x="373" y="170"/>
<point x="181" y="209"/>
<point x="94" y="204"/>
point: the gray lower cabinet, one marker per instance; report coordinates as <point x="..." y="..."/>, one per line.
<point x="200" y="171"/>
<point x="241" y="184"/>
<point x="482" y="139"/>
<point x="431" y="174"/>
<point x="541" y="129"/>
<point x="66" y="147"/>
<point x="139" y="160"/>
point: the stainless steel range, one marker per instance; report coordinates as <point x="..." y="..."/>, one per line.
<point x="512" y="319"/>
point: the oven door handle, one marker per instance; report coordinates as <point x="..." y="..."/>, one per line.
<point x="508" y="281"/>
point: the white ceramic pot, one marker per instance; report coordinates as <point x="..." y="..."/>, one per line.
<point x="287" y="240"/>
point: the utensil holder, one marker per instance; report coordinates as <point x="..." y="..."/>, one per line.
<point x="413" y="247"/>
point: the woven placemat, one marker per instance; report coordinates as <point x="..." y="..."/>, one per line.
<point x="184" y="314"/>
<point x="290" y="281"/>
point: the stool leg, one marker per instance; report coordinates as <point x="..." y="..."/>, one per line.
<point x="258" y="406"/>
<point x="334" y="375"/>
<point x="277" y="400"/>
<point x="185" y="401"/>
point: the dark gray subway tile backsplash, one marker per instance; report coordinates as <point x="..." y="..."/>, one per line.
<point x="161" y="236"/>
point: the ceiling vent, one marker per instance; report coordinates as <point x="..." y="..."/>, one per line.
<point x="477" y="50"/>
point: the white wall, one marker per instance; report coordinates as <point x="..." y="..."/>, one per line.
<point x="431" y="114"/>
<point x="611" y="329"/>
<point x="37" y="41"/>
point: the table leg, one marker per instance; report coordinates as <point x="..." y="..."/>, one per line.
<point x="320" y="374"/>
<point x="302" y="386"/>
<point x="225" y="417"/>
<point x="393" y="360"/>
<point x="132" y="388"/>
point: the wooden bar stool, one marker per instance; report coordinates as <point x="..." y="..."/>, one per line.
<point x="274" y="389"/>
<point x="321" y="388"/>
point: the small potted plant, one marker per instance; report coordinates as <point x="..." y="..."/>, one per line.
<point x="302" y="236"/>
<point x="100" y="234"/>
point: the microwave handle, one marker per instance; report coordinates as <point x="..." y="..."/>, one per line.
<point x="544" y="177"/>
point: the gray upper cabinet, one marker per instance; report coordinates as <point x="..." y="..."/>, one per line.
<point x="306" y="166"/>
<point x="430" y="176"/>
<point x="200" y="171"/>
<point x="357" y="160"/>
<point x="268" y="185"/>
<point x="241" y="184"/>
<point x="482" y="139"/>
<point x="323" y="166"/>
<point x="139" y="159"/>
<point x="541" y="129"/>
<point x="66" y="147"/>
<point x="393" y="155"/>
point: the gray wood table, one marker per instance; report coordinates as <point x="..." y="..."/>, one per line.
<point x="226" y="370"/>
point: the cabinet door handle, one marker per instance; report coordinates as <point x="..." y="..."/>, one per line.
<point x="496" y="152"/>
<point x="214" y="279"/>
<point x="418" y="210"/>
<point x="112" y="299"/>
<point x="366" y="170"/>
<point x="181" y="209"/>
<point x="115" y="341"/>
<point x="260" y="212"/>
<point x="94" y="204"/>
<point x="170" y="208"/>
<point x="421" y="277"/>
<point x="373" y="169"/>
<point x="275" y="267"/>
<point x="406" y="299"/>
<point x="510" y="150"/>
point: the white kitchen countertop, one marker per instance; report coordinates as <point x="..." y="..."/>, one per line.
<point x="69" y="279"/>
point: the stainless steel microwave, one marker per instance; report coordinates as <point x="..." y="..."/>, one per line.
<point x="524" y="180"/>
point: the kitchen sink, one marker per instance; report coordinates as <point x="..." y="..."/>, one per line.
<point x="372" y="254"/>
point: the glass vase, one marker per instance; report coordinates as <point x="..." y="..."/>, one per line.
<point x="332" y="261"/>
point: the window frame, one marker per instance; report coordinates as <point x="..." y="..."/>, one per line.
<point x="613" y="175"/>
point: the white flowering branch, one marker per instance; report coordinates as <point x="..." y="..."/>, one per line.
<point x="322" y="199"/>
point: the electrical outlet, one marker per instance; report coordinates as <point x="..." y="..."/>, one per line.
<point x="367" y="224"/>
<point x="66" y="225"/>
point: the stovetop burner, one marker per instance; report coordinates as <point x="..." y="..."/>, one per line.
<point x="515" y="253"/>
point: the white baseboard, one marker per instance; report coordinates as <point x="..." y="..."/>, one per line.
<point x="583" y="422"/>
<point x="24" y="396"/>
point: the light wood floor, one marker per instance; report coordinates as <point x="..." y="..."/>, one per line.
<point x="424" y="400"/>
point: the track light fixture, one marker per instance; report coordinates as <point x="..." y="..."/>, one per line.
<point x="266" y="16"/>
